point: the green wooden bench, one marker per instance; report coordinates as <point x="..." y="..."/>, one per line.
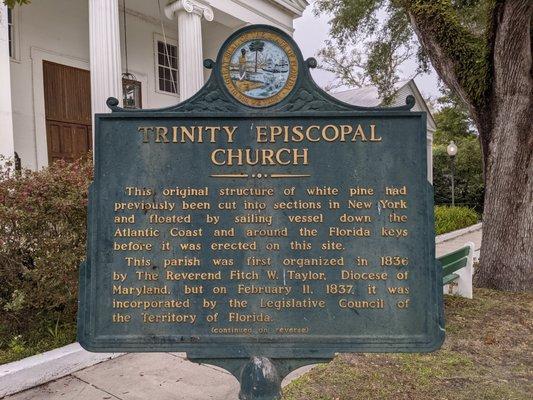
<point x="457" y="271"/>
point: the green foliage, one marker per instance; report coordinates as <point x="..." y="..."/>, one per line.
<point x="465" y="47"/>
<point x="42" y="242"/>
<point x="448" y="219"/>
<point x="473" y="14"/>
<point x="350" y="20"/>
<point x="454" y="123"/>
<point x="461" y="28"/>
<point x="452" y="119"/>
<point x="37" y="339"/>
<point x="469" y="186"/>
<point x="12" y="3"/>
<point x="257" y="45"/>
<point x="347" y="66"/>
<point x="369" y="49"/>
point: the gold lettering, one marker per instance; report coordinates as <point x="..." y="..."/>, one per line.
<point x="186" y="133"/>
<point x="359" y="132"/>
<point x="297" y="133"/>
<point x="161" y="134"/>
<point x="330" y="128"/>
<point x="308" y="133"/>
<point x="230" y="131"/>
<point x="144" y="130"/>
<point x="214" y="159"/>
<point x="373" y="137"/>
<point x="261" y="135"/>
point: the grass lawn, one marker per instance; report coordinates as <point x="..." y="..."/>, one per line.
<point x="487" y="355"/>
<point x="46" y="337"/>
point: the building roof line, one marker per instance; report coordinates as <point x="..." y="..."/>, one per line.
<point x="367" y="90"/>
<point x="296" y="7"/>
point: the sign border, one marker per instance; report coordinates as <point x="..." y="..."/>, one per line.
<point x="288" y="345"/>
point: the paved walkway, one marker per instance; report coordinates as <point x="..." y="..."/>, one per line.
<point x="163" y="376"/>
<point x="139" y="376"/>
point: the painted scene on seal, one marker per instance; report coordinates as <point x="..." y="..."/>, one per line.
<point x="259" y="69"/>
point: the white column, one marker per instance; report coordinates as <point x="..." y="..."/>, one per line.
<point x="190" y="53"/>
<point x="7" y="144"/>
<point x="105" y="61"/>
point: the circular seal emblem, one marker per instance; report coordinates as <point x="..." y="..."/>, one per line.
<point x="259" y="68"/>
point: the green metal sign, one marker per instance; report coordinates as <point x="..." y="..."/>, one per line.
<point x="261" y="218"/>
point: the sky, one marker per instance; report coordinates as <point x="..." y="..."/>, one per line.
<point x="311" y="32"/>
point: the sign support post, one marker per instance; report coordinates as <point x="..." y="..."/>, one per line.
<point x="260" y="377"/>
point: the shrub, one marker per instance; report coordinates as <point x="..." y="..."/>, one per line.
<point x="448" y="219"/>
<point x="42" y="242"/>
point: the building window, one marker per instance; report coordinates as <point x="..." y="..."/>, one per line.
<point x="167" y="67"/>
<point x="11" y="32"/>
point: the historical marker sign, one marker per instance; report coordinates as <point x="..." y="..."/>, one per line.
<point x="261" y="217"/>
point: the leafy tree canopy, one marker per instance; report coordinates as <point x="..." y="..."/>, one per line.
<point x="386" y="39"/>
<point x="452" y="119"/>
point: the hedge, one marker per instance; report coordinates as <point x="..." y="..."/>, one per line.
<point x="42" y="241"/>
<point x="448" y="219"/>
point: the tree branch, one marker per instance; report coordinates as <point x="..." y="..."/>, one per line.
<point x="344" y="66"/>
<point x="458" y="55"/>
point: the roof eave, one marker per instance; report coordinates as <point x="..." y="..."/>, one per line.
<point x="295" y="7"/>
<point x="414" y="88"/>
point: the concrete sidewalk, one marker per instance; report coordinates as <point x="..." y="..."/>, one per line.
<point x="165" y="376"/>
<point x="142" y="376"/>
<point x="139" y="376"/>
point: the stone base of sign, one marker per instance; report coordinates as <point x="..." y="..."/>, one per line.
<point x="45" y="367"/>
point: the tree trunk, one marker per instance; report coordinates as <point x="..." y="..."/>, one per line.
<point x="503" y="120"/>
<point x="507" y="248"/>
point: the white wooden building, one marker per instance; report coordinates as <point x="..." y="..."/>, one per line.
<point x="61" y="59"/>
<point x="367" y="96"/>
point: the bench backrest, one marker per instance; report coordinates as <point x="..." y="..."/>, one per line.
<point x="457" y="268"/>
<point x="455" y="260"/>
